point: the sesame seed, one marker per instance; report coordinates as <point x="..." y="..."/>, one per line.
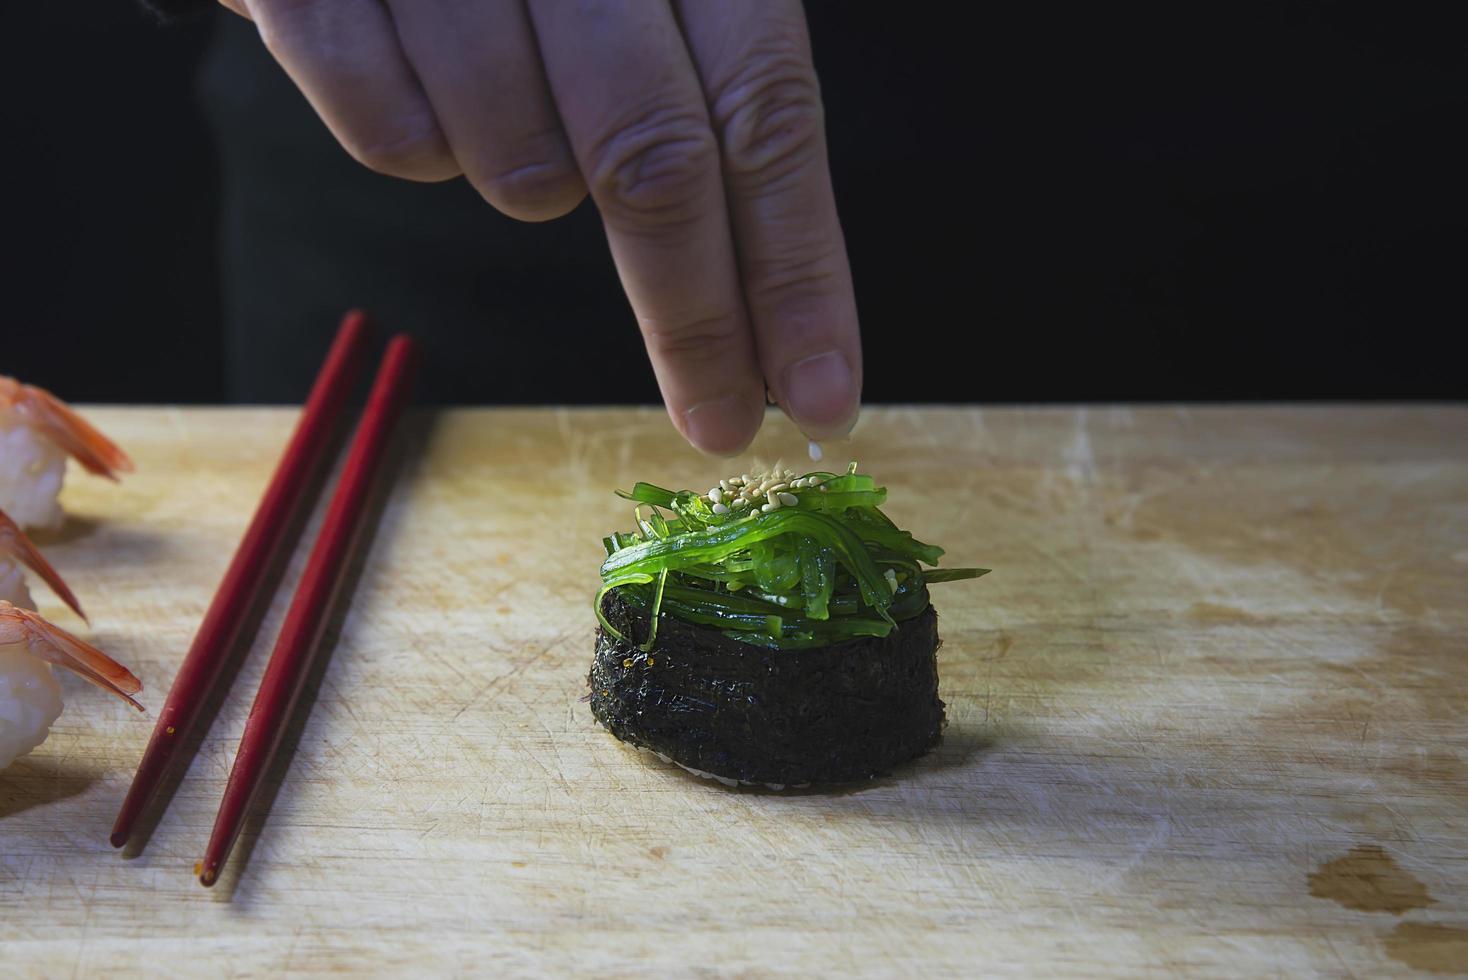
<point x="739" y="503"/>
<point x="891" y="577"/>
<point x="778" y="487"/>
<point x="769" y="508"/>
<point x="788" y="499"/>
<point x="814" y="448"/>
<point x="716" y="495"/>
<point x="720" y="509"/>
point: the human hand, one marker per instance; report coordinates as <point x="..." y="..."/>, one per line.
<point x="695" y="125"/>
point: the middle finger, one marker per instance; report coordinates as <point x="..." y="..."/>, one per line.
<point x="635" y="113"/>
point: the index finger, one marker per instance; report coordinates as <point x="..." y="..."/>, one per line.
<point x="633" y="108"/>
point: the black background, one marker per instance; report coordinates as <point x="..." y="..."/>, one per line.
<point x="1052" y="203"/>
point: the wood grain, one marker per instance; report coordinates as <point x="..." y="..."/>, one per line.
<point x="1221" y="650"/>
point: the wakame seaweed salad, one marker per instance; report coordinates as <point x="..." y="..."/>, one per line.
<point x="775" y="629"/>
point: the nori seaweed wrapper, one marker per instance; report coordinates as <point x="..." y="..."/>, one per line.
<point x="831" y="714"/>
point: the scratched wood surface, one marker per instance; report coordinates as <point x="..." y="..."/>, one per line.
<point x="1207" y="715"/>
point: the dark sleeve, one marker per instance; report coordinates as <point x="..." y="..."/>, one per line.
<point x="169" y="10"/>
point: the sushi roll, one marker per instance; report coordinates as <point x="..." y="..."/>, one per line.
<point x="37" y="432"/>
<point x="774" y="630"/>
<point x="30" y="697"/>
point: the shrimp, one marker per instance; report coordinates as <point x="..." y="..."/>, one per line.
<point x="16" y="550"/>
<point x="30" y="698"/>
<point x="37" y="432"/>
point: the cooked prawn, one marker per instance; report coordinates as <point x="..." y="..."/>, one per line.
<point x="17" y="549"/>
<point x="56" y="646"/>
<point x="53" y="418"/>
<point x="37" y="432"/>
<point x="30" y="698"/>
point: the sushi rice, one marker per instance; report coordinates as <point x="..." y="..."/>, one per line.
<point x="31" y="470"/>
<point x="30" y="702"/>
<point x="12" y="584"/>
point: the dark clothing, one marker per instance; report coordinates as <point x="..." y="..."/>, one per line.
<point x="508" y="312"/>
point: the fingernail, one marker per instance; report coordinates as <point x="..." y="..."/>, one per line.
<point x="721" y="426"/>
<point x="820" y="394"/>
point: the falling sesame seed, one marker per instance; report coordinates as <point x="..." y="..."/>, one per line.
<point x="788" y="499"/>
<point x="720" y="509"/>
<point x="778" y="487"/>
<point x="814" y="448"/>
<point x="891" y="577"/>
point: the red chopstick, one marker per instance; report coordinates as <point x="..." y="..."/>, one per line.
<point x="247" y="570"/>
<point x="300" y="635"/>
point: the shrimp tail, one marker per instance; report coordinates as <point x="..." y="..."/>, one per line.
<point x="56" y="646"/>
<point x="14" y="542"/>
<point x="63" y="426"/>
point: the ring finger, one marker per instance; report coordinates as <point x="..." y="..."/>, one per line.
<point x="345" y="58"/>
<point x="479" y="65"/>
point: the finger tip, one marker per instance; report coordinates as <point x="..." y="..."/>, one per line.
<point x="721" y="427"/>
<point x="821" y="396"/>
<point x="725" y="452"/>
<point x="831" y="432"/>
<point x="837" y="426"/>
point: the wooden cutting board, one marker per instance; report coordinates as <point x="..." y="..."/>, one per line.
<point x="1207" y="715"/>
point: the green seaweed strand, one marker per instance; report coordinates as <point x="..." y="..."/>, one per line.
<point x="830" y="567"/>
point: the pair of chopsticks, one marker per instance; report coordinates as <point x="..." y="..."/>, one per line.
<point x="245" y="579"/>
